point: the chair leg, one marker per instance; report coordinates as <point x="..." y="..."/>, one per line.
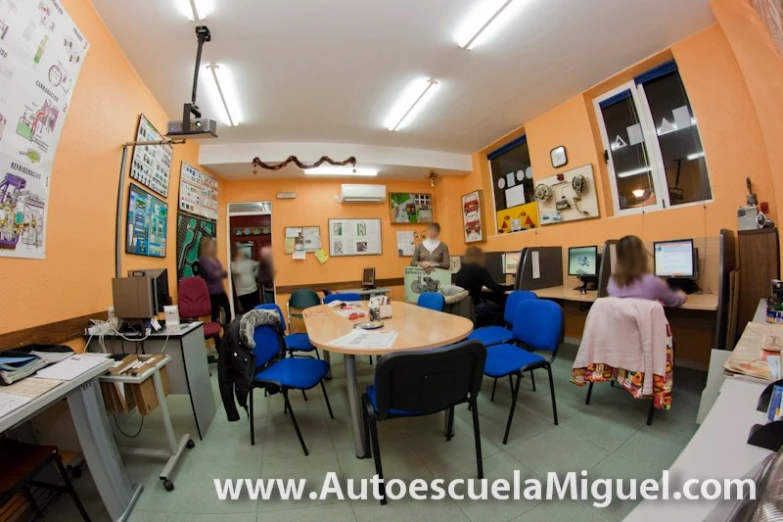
<point x="296" y="426"/>
<point x="252" y="420"/>
<point x="494" y="386"/>
<point x="552" y="392"/>
<point x="69" y="487"/>
<point x="326" y="398"/>
<point x="651" y="413"/>
<point x="477" y="438"/>
<point x="533" y="378"/>
<point x="513" y="407"/>
<point x="304" y="395"/>
<point x="317" y="355"/>
<point x="376" y="451"/>
<point x="589" y="392"/>
<point x="31" y="500"/>
<point x="366" y="416"/>
<point x="450" y="427"/>
<point x="371" y="360"/>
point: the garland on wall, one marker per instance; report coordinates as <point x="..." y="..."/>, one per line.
<point x="293" y="159"/>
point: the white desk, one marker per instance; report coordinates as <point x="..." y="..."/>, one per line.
<point x="95" y="437"/>
<point x="718" y="450"/>
<point x="188" y="369"/>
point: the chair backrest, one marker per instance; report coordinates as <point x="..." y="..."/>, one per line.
<point x="268" y="344"/>
<point x="348" y="297"/>
<point x="273" y="307"/>
<point x="429" y="381"/>
<point x="193" y="299"/>
<point x="538" y="323"/>
<point x="512" y="301"/>
<point x="432" y="300"/>
<point x="303" y="298"/>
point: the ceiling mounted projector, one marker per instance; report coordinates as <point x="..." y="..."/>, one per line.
<point x="193" y="125"/>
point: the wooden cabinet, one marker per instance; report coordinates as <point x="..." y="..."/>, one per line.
<point x="759" y="262"/>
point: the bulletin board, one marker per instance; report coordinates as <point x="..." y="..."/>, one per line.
<point x="146" y="224"/>
<point x="151" y="165"/>
<point x="410" y="208"/>
<point x="302" y="239"/>
<point x="570" y="196"/>
<point x="355" y="237"/>
<point x="198" y="192"/>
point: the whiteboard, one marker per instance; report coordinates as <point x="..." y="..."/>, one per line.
<point x="355" y="237"/>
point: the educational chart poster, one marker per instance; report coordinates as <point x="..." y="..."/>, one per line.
<point x="146" y="225"/>
<point x="417" y="281"/>
<point x="151" y="164"/>
<point x="516" y="219"/>
<point x="410" y="208"/>
<point x="355" y="237"/>
<point x="198" y="192"/>
<point x="41" y="55"/>
<point x="190" y="231"/>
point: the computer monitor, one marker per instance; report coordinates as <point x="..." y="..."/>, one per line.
<point x="511" y="262"/>
<point x="368" y="278"/>
<point x="583" y="261"/>
<point x="133" y="298"/>
<point x="159" y="281"/>
<point x="675" y="259"/>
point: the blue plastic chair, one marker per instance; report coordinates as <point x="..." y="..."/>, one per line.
<point x="275" y="373"/>
<point x="538" y="325"/>
<point x="348" y="297"/>
<point x="492" y="335"/>
<point x="295" y="342"/>
<point x="432" y="300"/>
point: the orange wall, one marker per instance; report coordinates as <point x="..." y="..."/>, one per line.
<point x="75" y="278"/>
<point x="731" y="135"/>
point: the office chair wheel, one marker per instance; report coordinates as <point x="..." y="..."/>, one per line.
<point x="190" y="444"/>
<point x="169" y="485"/>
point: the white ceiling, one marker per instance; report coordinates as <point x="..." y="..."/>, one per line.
<point x="330" y="71"/>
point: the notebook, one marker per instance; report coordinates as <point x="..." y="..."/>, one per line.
<point x="14" y="366"/>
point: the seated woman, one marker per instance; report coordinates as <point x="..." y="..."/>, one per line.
<point x="473" y="277"/>
<point x="632" y="277"/>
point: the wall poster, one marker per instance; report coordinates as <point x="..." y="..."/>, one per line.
<point x="198" y="192"/>
<point x="355" y="237"/>
<point x="190" y="231"/>
<point x="410" y="208"/>
<point x="472" y="223"/>
<point x="41" y="56"/>
<point x="151" y="165"/>
<point x="145" y="232"/>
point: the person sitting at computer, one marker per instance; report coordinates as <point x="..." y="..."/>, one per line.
<point x="431" y="253"/>
<point x="244" y="271"/>
<point x="632" y="277"/>
<point x="474" y="277"/>
<point x="213" y="273"/>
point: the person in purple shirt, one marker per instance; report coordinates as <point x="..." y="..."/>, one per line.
<point x="213" y="273"/>
<point x="632" y="277"/>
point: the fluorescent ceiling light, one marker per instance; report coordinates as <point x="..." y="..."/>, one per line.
<point x="488" y="15"/>
<point x="410" y="104"/>
<point x="224" y="93"/>
<point x="195" y="10"/>
<point x="341" y="171"/>
<point x="634" y="172"/>
<point x="695" y="156"/>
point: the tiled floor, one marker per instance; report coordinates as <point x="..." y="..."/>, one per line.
<point x="609" y="438"/>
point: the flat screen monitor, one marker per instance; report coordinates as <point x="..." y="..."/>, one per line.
<point x="511" y="262"/>
<point x="159" y="280"/>
<point x="368" y="277"/>
<point x="583" y="261"/>
<point x="674" y="258"/>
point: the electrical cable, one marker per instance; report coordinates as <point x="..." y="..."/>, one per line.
<point x="141" y="424"/>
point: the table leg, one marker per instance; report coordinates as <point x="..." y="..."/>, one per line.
<point x="100" y="452"/>
<point x="447" y="419"/>
<point x="328" y="360"/>
<point x="357" y="420"/>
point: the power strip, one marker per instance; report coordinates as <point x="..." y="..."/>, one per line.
<point x="101" y="328"/>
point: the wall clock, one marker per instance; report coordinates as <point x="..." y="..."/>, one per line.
<point x="559" y="157"/>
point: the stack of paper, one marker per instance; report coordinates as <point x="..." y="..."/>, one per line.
<point x="359" y="339"/>
<point x="15" y="366"/>
<point x="71" y="368"/>
<point x="750" y="358"/>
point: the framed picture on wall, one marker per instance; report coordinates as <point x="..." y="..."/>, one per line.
<point x="472" y="222"/>
<point x="410" y="208"/>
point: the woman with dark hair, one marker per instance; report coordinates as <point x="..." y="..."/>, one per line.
<point x="431" y="253"/>
<point x="213" y="273"/>
<point x="474" y="277"/>
<point x="632" y="277"/>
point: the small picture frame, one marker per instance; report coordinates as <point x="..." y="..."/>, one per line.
<point x="472" y="217"/>
<point x="559" y="157"/>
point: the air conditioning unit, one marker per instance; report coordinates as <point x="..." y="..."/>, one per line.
<point x="362" y="193"/>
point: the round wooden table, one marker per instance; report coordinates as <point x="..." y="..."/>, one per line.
<point x="417" y="329"/>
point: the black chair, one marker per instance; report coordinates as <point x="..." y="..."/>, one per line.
<point x="411" y="384"/>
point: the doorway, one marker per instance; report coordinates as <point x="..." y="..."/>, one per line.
<point x="249" y="253"/>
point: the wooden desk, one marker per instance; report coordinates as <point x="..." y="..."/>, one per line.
<point x="418" y="328"/>
<point x="85" y="403"/>
<point x="702" y="302"/>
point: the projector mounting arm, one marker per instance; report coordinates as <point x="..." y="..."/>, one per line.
<point x="191" y="109"/>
